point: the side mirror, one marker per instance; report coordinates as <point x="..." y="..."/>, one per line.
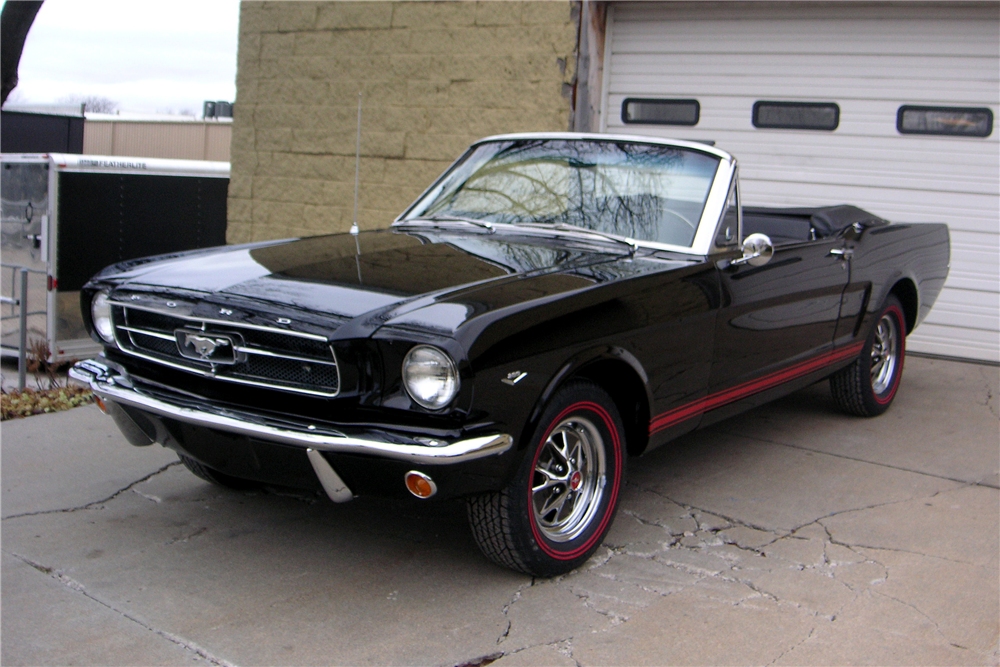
<point x="757" y="251"/>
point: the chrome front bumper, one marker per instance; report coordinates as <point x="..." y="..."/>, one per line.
<point x="114" y="385"/>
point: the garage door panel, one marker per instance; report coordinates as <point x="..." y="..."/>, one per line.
<point x="965" y="318"/>
<point x="976" y="262"/>
<point x="971" y="300"/>
<point x="975" y="186"/>
<point x="957" y="93"/>
<point x="973" y="283"/>
<point x="967" y="68"/>
<point x="640" y="14"/>
<point x="872" y="45"/>
<point x="949" y="341"/>
<point x="909" y="168"/>
<point x="820" y="188"/>
<point x="984" y="241"/>
<point x="945" y="38"/>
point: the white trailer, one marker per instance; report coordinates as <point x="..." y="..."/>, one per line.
<point x="65" y="217"/>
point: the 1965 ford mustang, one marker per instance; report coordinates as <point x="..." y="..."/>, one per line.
<point x="552" y="307"/>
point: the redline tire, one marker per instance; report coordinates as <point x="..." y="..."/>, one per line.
<point x="563" y="499"/>
<point x="868" y="386"/>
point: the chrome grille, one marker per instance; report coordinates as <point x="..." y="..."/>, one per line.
<point x="285" y="360"/>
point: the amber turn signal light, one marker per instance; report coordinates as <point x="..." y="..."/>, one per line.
<point x="100" y="404"/>
<point x="420" y="484"/>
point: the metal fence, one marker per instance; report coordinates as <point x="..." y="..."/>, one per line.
<point x="19" y="300"/>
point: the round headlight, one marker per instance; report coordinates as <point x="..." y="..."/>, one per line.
<point x="430" y="377"/>
<point x="100" y="311"/>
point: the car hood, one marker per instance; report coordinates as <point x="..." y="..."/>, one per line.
<point x="381" y="274"/>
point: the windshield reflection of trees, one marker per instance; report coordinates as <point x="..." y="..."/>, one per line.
<point x="641" y="191"/>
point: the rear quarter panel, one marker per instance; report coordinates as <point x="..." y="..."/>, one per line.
<point x="887" y="258"/>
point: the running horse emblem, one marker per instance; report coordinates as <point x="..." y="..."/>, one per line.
<point x="204" y="346"/>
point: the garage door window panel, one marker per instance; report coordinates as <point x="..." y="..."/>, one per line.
<point x="796" y="115"/>
<point x="640" y="111"/>
<point x="944" y="121"/>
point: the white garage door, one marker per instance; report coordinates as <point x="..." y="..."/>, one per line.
<point x="861" y="64"/>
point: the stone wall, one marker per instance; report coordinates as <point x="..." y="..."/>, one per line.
<point x="434" y="77"/>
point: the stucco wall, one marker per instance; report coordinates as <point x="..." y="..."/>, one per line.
<point x="434" y="76"/>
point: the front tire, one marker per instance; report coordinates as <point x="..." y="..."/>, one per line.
<point x="867" y="387"/>
<point x="560" y="505"/>
<point x="213" y="476"/>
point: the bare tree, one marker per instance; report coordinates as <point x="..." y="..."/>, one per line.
<point x="15" y="22"/>
<point x="92" y="103"/>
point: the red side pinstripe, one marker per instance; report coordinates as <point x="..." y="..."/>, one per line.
<point x="719" y="399"/>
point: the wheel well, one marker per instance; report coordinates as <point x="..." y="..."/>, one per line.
<point x="628" y="391"/>
<point x="906" y="292"/>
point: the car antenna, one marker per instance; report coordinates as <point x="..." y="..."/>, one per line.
<point x="357" y="169"/>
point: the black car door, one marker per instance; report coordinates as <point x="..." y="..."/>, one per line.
<point x="776" y="324"/>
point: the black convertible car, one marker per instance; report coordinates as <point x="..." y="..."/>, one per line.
<point x="553" y="306"/>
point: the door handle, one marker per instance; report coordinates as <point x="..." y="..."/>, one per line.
<point x="842" y="253"/>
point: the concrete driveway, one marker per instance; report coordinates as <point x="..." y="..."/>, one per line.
<point x="793" y="535"/>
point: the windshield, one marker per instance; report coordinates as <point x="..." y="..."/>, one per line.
<point x="640" y="191"/>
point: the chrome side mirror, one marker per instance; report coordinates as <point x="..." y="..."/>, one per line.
<point x="757" y="251"/>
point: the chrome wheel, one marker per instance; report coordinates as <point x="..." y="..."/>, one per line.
<point x="868" y="386"/>
<point x="555" y="512"/>
<point x="884" y="354"/>
<point x="568" y="479"/>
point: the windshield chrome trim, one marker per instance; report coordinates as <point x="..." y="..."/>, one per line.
<point x="590" y="136"/>
<point x="715" y="208"/>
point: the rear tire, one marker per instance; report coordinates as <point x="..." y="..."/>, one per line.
<point x="213" y="476"/>
<point x="562" y="501"/>
<point x="867" y="387"/>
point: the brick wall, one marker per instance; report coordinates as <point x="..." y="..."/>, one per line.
<point x="434" y="76"/>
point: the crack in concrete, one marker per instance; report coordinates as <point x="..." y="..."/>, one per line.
<point x="989" y="403"/>
<point x="77" y="587"/>
<point x="937" y="626"/>
<point x="712" y="524"/>
<point x="506" y="609"/>
<point x="561" y="646"/>
<point x="788" y="650"/>
<point x="883" y="548"/>
<point x="650" y="522"/>
<point x="831" y="515"/>
<point x="826" y="567"/>
<point x="853" y="549"/>
<point x="186" y="538"/>
<point x="730" y="519"/>
<point x="483" y="660"/>
<point x="616" y="619"/>
<point x="97" y="503"/>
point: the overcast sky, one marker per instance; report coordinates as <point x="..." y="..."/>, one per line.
<point x="147" y="55"/>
